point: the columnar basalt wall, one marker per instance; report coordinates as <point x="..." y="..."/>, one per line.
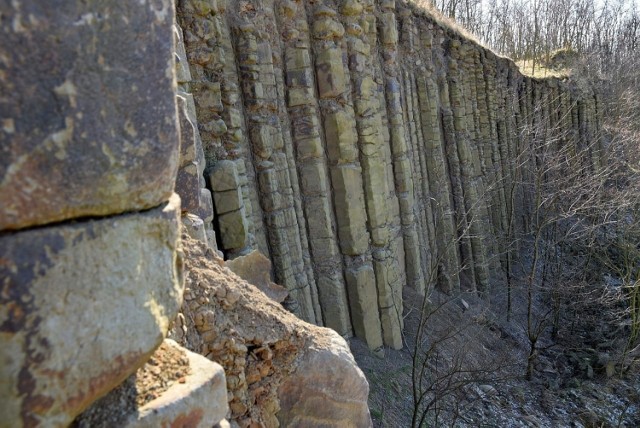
<point x="365" y="147"/>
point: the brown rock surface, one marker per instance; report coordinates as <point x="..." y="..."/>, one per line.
<point x="255" y="268"/>
<point x="175" y="387"/>
<point x="264" y="348"/>
<point x="82" y="306"/>
<point x="325" y="390"/>
<point x="88" y="110"/>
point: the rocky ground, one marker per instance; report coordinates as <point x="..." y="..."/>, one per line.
<point x="495" y="393"/>
<point x="277" y="366"/>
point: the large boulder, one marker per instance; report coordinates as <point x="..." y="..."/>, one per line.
<point x="255" y="268"/>
<point x="88" y="123"/>
<point x="326" y="389"/>
<point x="82" y="306"/>
<point x="277" y="366"/>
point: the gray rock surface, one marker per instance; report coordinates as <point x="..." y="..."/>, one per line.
<point x="83" y="305"/>
<point x="88" y="110"/>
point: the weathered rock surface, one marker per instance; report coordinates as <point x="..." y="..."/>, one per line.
<point x="255" y="268"/>
<point x="175" y="387"/>
<point x="82" y="306"/>
<point x="266" y="351"/>
<point x="198" y="400"/>
<point x="88" y="128"/>
<point x="325" y="389"/>
<point x="194" y="227"/>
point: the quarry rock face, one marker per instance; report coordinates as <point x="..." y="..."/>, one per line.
<point x="89" y="127"/>
<point x="70" y="295"/>
<point x="365" y="146"/>
<point x="361" y="146"/>
<point x="281" y="371"/>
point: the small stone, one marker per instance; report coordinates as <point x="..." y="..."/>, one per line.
<point x="255" y="268"/>
<point x="351" y="7"/>
<point x="379" y="352"/>
<point x="224" y="176"/>
<point x="218" y="127"/>
<point x="194" y="226"/>
<point x="488" y="390"/>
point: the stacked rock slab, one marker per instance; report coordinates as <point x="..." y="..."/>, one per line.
<point x="90" y="271"/>
<point x="367" y="146"/>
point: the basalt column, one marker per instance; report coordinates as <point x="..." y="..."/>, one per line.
<point x="313" y="172"/>
<point x="447" y="262"/>
<point x="381" y="202"/>
<point x="494" y="180"/>
<point x="345" y="172"/>
<point x="473" y="213"/>
<point x="419" y="276"/>
<point x="221" y="125"/>
<point x="402" y="151"/>
<point x="257" y="79"/>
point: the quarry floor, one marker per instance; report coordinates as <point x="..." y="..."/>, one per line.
<point x="496" y="395"/>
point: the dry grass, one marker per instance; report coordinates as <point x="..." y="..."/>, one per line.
<point x="526" y="67"/>
<point x="444" y="21"/>
<point x="537" y="70"/>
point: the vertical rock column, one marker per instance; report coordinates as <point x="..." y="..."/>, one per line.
<point x="417" y="216"/>
<point x="401" y="151"/>
<point x="488" y="187"/>
<point x="512" y="165"/>
<point x="511" y="128"/>
<point x="312" y="168"/>
<point x="346" y="174"/>
<point x="379" y="203"/>
<point x="488" y="139"/>
<point x="235" y="140"/>
<point x="215" y="91"/>
<point x="420" y="273"/>
<point x="197" y="205"/>
<point x="425" y="187"/>
<point x="446" y="263"/>
<point x="270" y="160"/>
<point x="518" y="204"/>
<point x="453" y="163"/>
<point x="469" y="176"/>
<point x="270" y="56"/>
